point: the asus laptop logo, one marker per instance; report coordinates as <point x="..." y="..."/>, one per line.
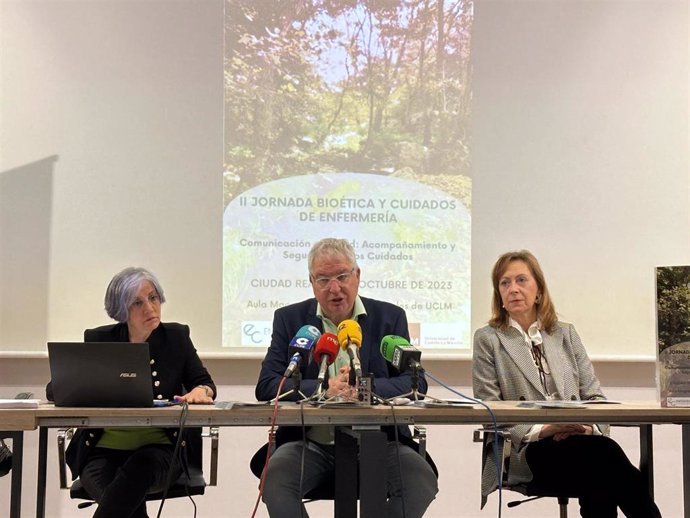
<point x="128" y="374"/>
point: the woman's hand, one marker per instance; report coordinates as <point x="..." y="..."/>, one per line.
<point x="563" y="431"/>
<point x="197" y="395"/>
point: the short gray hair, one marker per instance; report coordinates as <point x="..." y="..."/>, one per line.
<point x="123" y="289"/>
<point x="332" y="247"/>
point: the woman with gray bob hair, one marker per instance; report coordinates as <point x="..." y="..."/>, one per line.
<point x="123" y="288"/>
<point x="119" y="467"/>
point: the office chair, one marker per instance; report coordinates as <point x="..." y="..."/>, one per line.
<point x="182" y="487"/>
<point x="486" y="437"/>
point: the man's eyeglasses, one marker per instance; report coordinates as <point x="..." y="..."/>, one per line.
<point x="324" y="282"/>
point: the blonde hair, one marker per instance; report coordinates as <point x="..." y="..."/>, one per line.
<point x="546" y="312"/>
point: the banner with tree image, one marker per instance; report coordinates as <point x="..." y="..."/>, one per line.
<point x="348" y="119"/>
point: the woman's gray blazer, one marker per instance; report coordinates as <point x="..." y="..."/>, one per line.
<point x="503" y="369"/>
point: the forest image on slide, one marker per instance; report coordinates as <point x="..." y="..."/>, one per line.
<point x="329" y="86"/>
<point x="672" y="305"/>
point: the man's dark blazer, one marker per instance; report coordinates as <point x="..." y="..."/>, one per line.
<point x="382" y="319"/>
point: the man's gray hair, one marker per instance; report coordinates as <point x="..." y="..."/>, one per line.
<point x="330" y="247"/>
<point x="123" y="289"/>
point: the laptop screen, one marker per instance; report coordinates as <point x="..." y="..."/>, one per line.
<point x="100" y="374"/>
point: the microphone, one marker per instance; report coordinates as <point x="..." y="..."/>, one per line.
<point x="399" y="353"/>
<point x="300" y="346"/>
<point x="350" y="338"/>
<point x="325" y="351"/>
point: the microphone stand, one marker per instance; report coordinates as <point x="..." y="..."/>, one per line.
<point x="415" y="369"/>
<point x="321" y="389"/>
<point x="297" y="377"/>
<point x="414" y="383"/>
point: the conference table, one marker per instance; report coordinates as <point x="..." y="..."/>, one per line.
<point x="359" y="421"/>
<point x="13" y="424"/>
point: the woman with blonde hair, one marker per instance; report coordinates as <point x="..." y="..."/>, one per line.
<point x="526" y="353"/>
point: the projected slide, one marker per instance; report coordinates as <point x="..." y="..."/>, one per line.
<point x="350" y="120"/>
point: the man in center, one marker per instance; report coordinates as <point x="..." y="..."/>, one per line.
<point x="334" y="277"/>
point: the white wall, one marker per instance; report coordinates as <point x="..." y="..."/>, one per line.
<point x="129" y="96"/>
<point x="581" y="155"/>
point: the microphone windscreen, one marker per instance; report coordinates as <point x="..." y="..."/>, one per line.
<point x="349" y="332"/>
<point x="304" y="340"/>
<point x="388" y="345"/>
<point x="327" y="345"/>
<point x="310" y="332"/>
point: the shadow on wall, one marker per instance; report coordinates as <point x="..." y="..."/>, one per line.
<point x="26" y="195"/>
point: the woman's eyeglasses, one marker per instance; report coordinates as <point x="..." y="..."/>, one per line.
<point x="542" y="367"/>
<point x="153" y="299"/>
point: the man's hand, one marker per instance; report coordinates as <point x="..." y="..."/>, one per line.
<point x="339" y="385"/>
<point x="563" y="431"/>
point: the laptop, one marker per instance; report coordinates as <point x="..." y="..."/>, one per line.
<point x="100" y="374"/>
